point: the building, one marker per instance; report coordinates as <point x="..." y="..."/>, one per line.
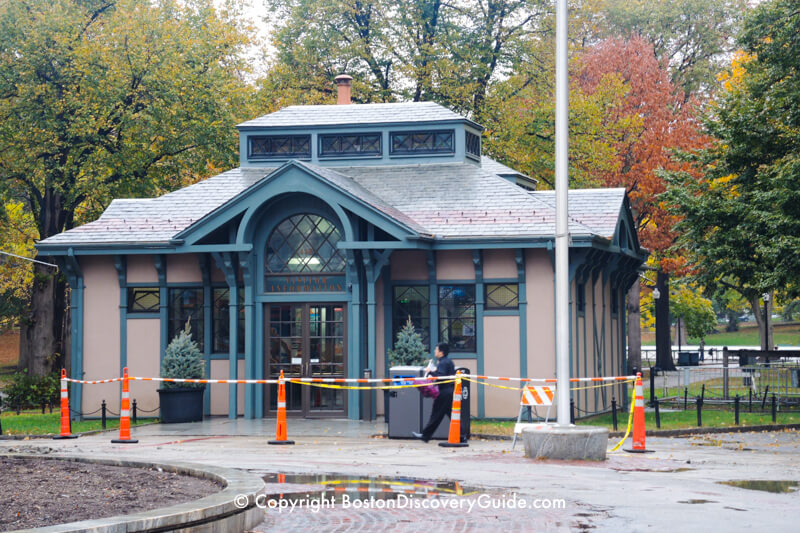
<point x="341" y="222"/>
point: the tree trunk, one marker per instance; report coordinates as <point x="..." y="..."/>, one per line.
<point x="733" y="322"/>
<point x="41" y="331"/>
<point x="663" y="345"/>
<point x="634" y="328"/>
<point x="765" y="328"/>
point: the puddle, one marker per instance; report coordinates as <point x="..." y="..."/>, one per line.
<point x="766" y="485"/>
<point x="695" y="502"/>
<point x="334" y="486"/>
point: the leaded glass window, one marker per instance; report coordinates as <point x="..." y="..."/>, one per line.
<point x="143" y="299"/>
<point x="186" y="305"/>
<point x="457" y="317"/>
<point x="352" y="144"/>
<point x="221" y="324"/>
<point x="412" y="301"/>
<point x="473" y="144"/>
<point x="280" y="146"/>
<point x="502" y="296"/>
<point x="304" y="244"/>
<point x="423" y="142"/>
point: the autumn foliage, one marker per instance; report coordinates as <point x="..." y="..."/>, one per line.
<point x="667" y="123"/>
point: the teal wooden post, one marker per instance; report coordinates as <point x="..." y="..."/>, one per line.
<point x="477" y="259"/>
<point x="522" y="299"/>
<point x="122" y="275"/>
<point x="226" y="264"/>
<point x="245" y="266"/>
<point x="207" y="327"/>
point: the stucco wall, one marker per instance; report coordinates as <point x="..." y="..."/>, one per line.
<point x="183" y="268"/>
<point x="455" y="265"/>
<point x="144" y="360"/>
<point x="499" y="264"/>
<point x="219" y="392"/>
<point x="501" y="358"/>
<point x="409" y="265"/>
<point x="541" y="314"/>
<point x="141" y="269"/>
<point x="100" y="331"/>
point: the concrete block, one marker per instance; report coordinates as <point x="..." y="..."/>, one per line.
<point x="586" y="443"/>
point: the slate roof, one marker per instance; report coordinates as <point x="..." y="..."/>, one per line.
<point x="444" y="201"/>
<point x="336" y="115"/>
<point x="490" y="165"/>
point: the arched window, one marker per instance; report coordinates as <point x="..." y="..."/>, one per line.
<point x="304" y="244"/>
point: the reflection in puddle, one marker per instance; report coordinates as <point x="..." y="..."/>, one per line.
<point x="335" y="486"/>
<point x="693" y="502"/>
<point x="764" y="485"/>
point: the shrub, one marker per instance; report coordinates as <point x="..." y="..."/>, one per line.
<point x="408" y="349"/>
<point x="26" y="391"/>
<point x="183" y="360"/>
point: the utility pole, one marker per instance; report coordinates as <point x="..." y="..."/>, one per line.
<point x="562" y="224"/>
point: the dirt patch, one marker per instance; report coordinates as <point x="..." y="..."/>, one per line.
<point x="44" y="492"/>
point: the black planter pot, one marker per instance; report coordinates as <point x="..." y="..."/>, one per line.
<point x="181" y="405"/>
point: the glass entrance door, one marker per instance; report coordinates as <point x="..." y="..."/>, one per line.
<point x="306" y="340"/>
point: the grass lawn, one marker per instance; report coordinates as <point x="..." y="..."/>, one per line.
<point x="669" y="420"/>
<point x="785" y="335"/>
<point x="35" y="423"/>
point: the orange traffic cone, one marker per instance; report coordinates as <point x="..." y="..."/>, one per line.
<point x="65" y="424"/>
<point x="280" y="433"/>
<point x="638" y="418"/>
<point x="454" y="438"/>
<point x="125" y="413"/>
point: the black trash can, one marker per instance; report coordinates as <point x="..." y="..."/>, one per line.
<point x="465" y="401"/>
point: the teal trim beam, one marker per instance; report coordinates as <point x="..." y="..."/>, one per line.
<point x="227" y="265"/>
<point x="72" y="269"/>
<point x="477" y="260"/>
<point x="354" y="336"/>
<point x="207" y="328"/>
<point x="160" y="262"/>
<point x="522" y="299"/>
<point x="122" y="275"/>
<point x="245" y="266"/>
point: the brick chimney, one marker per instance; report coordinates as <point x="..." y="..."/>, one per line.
<point x="343" y="86"/>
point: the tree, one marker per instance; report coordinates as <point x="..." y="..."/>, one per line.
<point x="105" y="98"/>
<point x="693" y="37"/>
<point x="17" y="234"/>
<point x="667" y="123"/>
<point x="408" y="348"/>
<point x="741" y="222"/>
<point x="694" y="311"/>
<point x="730" y="304"/>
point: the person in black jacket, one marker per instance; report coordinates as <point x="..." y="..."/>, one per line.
<point x="444" y="402"/>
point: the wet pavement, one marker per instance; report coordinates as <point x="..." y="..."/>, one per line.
<point x="677" y="487"/>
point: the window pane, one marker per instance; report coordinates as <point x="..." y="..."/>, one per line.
<point x="143" y="300"/>
<point x="430" y="142"/>
<point x="305" y="244"/>
<point x="502" y="296"/>
<point x="457" y="317"/>
<point x="186" y="305"/>
<point x="280" y="146"/>
<point x="353" y="144"/>
<point x="413" y="301"/>
<point x="473" y="144"/>
<point x="220" y="335"/>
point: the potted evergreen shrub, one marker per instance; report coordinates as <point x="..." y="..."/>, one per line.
<point x="408" y="351"/>
<point x="182" y="402"/>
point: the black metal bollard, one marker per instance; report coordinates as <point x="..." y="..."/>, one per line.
<point x="703" y="391"/>
<point x="614" y="412"/>
<point x="652" y="385"/>
<point x="134" y="416"/>
<point x="699" y="412"/>
<point x="19" y="407"/>
<point x="572" y="411"/>
<point x="103" y="413"/>
<point x="1" y="421"/>
<point x="529" y="413"/>
<point x="736" y="410"/>
<point x="685" y="398"/>
<point x="774" y="409"/>
<point x="750" y="400"/>
<point x="764" y="399"/>
<point x="658" y="414"/>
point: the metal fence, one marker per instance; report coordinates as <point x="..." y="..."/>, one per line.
<point x="781" y="379"/>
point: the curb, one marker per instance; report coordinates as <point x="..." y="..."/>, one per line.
<point x="217" y="512"/>
<point x="674" y="432"/>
